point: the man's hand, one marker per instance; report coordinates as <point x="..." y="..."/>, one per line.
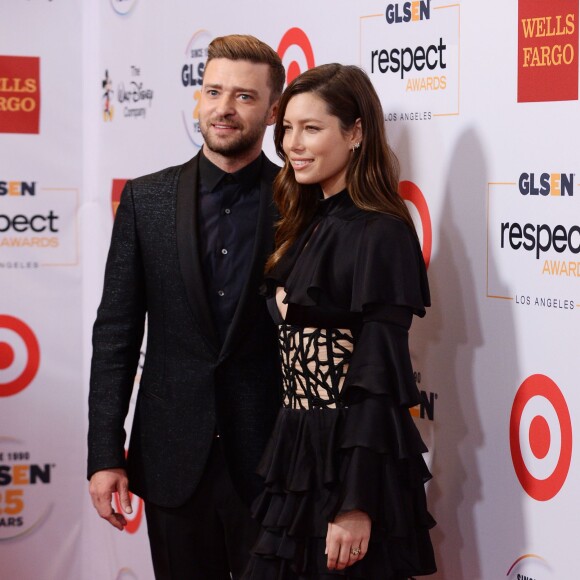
<point x="102" y="486"/>
<point x="347" y="539"/>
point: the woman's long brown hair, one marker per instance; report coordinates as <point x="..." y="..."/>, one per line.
<point x="372" y="175"/>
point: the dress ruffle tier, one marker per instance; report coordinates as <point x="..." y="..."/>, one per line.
<point x="366" y="456"/>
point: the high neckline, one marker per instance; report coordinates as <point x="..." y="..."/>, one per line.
<point x="335" y="203"/>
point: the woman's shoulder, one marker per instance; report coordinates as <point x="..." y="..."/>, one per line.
<point x="381" y="227"/>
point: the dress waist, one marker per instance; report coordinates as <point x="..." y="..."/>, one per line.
<point x="315" y="362"/>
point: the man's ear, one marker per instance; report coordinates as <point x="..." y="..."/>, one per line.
<point x="272" y="112"/>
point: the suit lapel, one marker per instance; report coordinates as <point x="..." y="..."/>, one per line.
<point x="263" y="245"/>
<point x="188" y="251"/>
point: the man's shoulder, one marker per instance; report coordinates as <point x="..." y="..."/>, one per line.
<point x="162" y="178"/>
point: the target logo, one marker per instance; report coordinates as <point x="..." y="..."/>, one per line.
<point x="118" y="185"/>
<point x="414" y="196"/>
<point x="540" y="437"/>
<point x="123" y="6"/>
<point x="19" y="355"/>
<point x="133" y="519"/>
<point x="297" y="45"/>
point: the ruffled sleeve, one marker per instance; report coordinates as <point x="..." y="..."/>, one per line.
<point x="382" y="470"/>
<point x="389" y="267"/>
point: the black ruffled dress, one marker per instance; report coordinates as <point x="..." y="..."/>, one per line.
<point x="344" y="438"/>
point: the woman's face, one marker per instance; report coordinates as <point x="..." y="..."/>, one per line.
<point x="315" y="145"/>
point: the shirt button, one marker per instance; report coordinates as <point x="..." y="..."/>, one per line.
<point x="221" y="293"/>
<point x="227" y="211"/>
<point x="224" y="251"/>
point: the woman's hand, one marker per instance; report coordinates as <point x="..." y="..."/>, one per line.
<point x="347" y="539"/>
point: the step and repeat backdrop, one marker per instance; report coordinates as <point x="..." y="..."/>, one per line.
<point x="481" y="106"/>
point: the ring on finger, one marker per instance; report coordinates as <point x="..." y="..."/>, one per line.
<point x="355" y="551"/>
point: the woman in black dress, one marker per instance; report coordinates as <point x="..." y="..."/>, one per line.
<point x="344" y="473"/>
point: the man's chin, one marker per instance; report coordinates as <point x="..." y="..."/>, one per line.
<point x="228" y="149"/>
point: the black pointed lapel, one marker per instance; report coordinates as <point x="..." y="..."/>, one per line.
<point x="188" y="251"/>
<point x="263" y="246"/>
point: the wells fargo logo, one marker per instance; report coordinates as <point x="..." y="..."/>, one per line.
<point x="547" y="50"/>
<point x="19" y="94"/>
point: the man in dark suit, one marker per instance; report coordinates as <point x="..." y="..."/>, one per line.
<point x="188" y="251"/>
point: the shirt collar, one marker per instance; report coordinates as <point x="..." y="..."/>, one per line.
<point x="211" y="176"/>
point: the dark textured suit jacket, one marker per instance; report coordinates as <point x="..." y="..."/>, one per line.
<point x="190" y="385"/>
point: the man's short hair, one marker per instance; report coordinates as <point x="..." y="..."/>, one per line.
<point x="246" y="47"/>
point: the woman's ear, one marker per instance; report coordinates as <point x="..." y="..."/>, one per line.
<point x="357" y="135"/>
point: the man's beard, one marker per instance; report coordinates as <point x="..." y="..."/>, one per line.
<point x="233" y="147"/>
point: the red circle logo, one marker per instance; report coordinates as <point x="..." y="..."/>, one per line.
<point x="134" y="519"/>
<point x="540" y="437"/>
<point x="296" y="37"/>
<point x="19" y="355"/>
<point x="411" y="193"/>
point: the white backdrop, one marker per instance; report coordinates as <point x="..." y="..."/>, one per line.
<point x="481" y="106"/>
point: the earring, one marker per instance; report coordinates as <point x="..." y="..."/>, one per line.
<point x="355" y="146"/>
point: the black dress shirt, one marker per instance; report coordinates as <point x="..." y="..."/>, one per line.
<point x="228" y="214"/>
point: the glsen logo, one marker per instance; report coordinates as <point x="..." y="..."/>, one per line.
<point x="297" y="45"/>
<point x="123" y="6"/>
<point x="528" y="567"/>
<point x="426" y="408"/>
<point x="555" y="184"/>
<point x="21" y="482"/>
<point x="408" y="12"/>
<point x="414" y="196"/>
<point x="540" y="437"/>
<point x="19" y="94"/>
<point x="424" y="413"/>
<point x="17" y="188"/>
<point x="526" y="245"/>
<point x="117" y="190"/>
<point x="19" y="355"/>
<point x="547" y="50"/>
<point x="415" y="64"/>
<point x="108" y="108"/>
<point x="191" y="80"/>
